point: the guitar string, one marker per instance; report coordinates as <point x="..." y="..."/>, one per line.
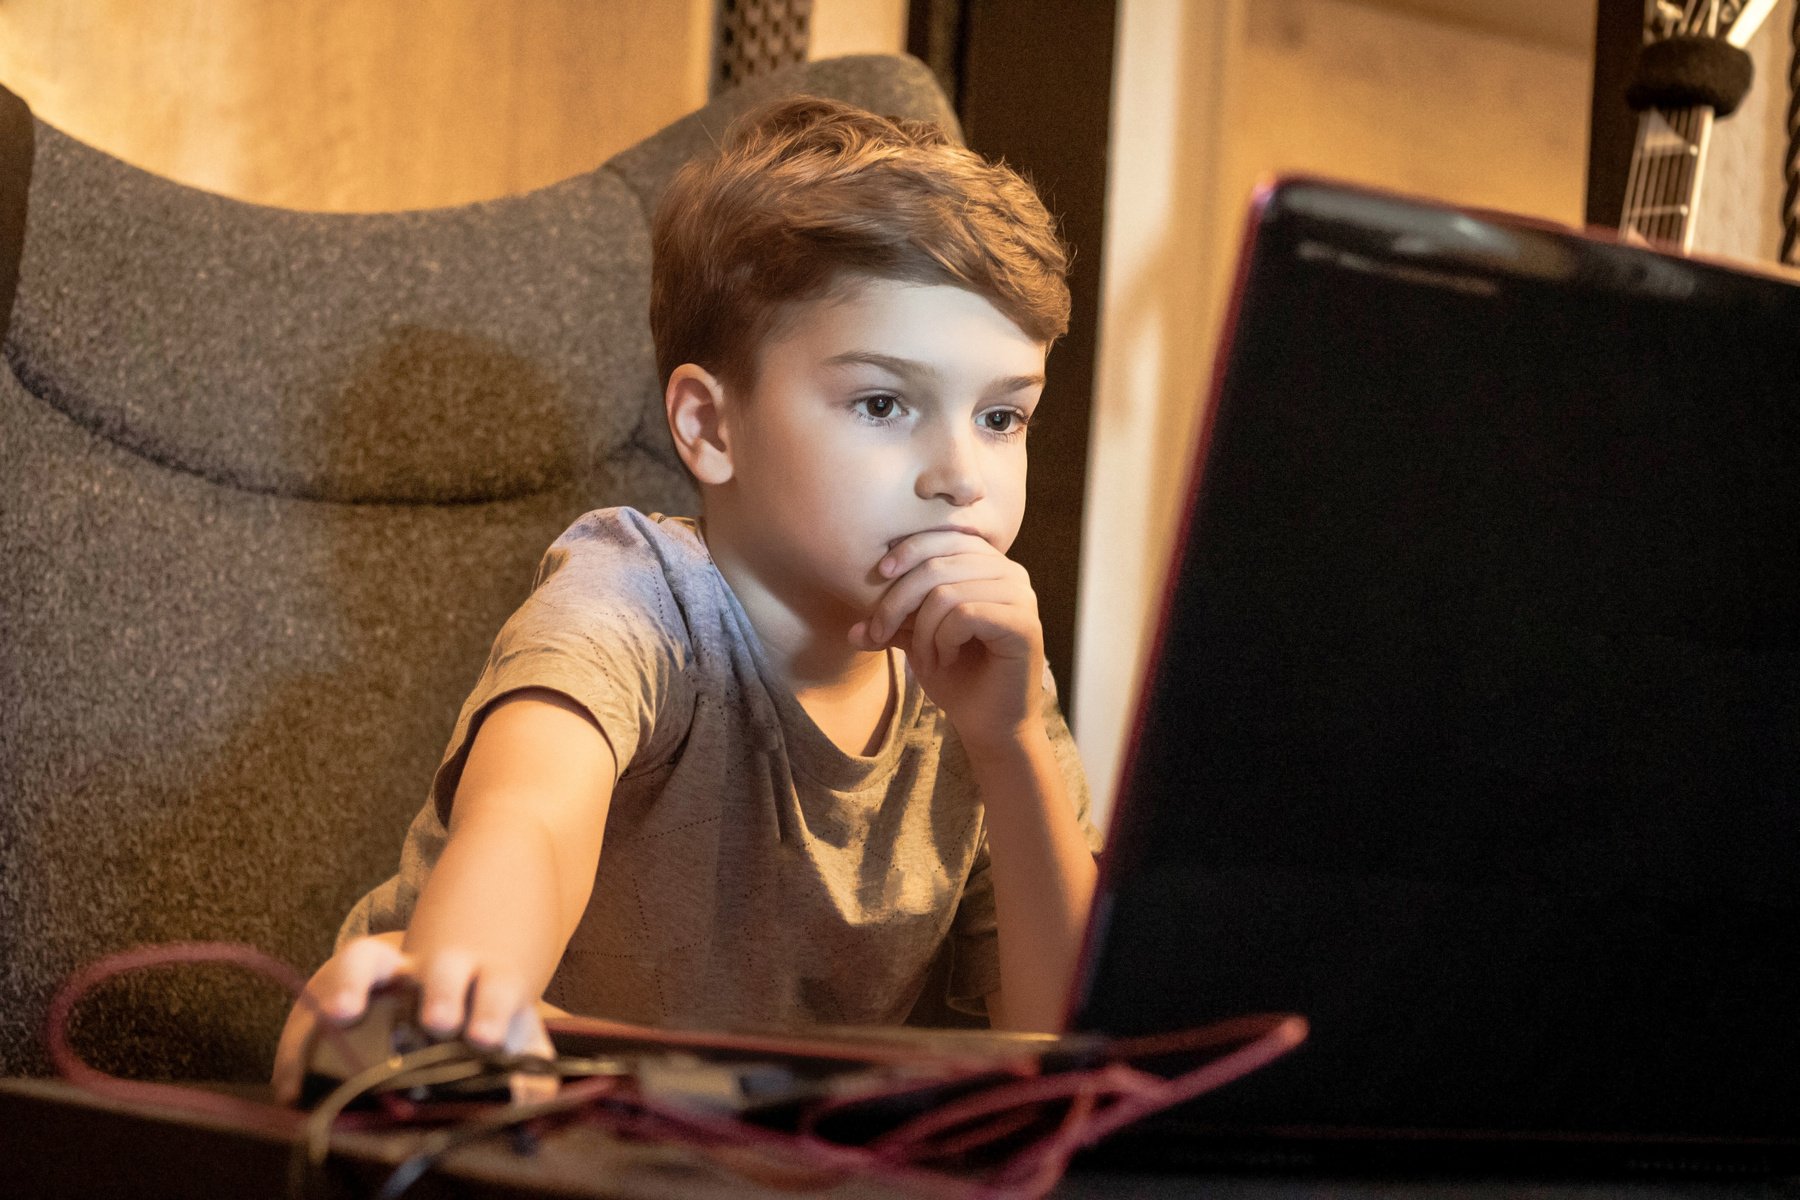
<point x="1634" y="193"/>
<point x="1673" y="166"/>
<point x="1655" y="165"/>
<point x="1630" y="216"/>
<point x="1669" y="178"/>
<point x="1659" y="164"/>
<point x="1690" y="176"/>
<point x="1704" y="14"/>
<point x="1790" y="167"/>
<point x="1692" y="121"/>
<point x="1656" y="231"/>
<point x="1683" y="161"/>
<point x="1683" y="222"/>
<point x="1680" y="163"/>
<point x="1647" y="226"/>
<point x="1651" y="223"/>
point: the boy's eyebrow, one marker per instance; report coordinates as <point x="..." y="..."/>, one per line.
<point x="908" y="368"/>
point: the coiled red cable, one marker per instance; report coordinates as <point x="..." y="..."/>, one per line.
<point x="1031" y="1124"/>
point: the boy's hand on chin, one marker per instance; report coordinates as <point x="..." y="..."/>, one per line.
<point x="967" y="619"/>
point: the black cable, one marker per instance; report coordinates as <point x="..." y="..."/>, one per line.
<point x="437" y="1064"/>
<point x="1790" y="198"/>
<point x="514" y="1118"/>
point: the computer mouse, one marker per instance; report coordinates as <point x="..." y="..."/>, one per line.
<point x="388" y="1030"/>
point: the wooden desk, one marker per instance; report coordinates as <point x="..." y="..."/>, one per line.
<point x="57" y="1141"/>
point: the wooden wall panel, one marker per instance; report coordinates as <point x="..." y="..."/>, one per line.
<point x="1399" y="101"/>
<point x="358" y="105"/>
<point x="857" y="27"/>
<point x="1211" y="96"/>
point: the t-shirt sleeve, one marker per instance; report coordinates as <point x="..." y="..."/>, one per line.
<point x="601" y="627"/>
<point x="974" y="934"/>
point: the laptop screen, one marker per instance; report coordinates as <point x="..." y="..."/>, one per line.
<point x="1472" y="731"/>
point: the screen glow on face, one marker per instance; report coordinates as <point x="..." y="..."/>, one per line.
<point x="884" y="411"/>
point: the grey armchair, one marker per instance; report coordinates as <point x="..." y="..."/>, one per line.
<point x="269" y="483"/>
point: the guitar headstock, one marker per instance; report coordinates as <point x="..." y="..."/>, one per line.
<point x="1734" y="20"/>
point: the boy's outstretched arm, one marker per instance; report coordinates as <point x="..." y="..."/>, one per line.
<point x="505" y="895"/>
<point x="517" y="871"/>
<point x="967" y="618"/>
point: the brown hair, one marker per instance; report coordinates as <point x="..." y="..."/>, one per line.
<point x="807" y="191"/>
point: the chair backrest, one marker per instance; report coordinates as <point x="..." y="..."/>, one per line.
<point x="269" y="483"/>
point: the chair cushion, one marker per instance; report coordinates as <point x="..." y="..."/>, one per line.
<point x="450" y="355"/>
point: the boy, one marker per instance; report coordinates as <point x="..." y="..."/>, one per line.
<point x="814" y="730"/>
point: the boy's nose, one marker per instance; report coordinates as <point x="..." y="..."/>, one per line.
<point x="952" y="472"/>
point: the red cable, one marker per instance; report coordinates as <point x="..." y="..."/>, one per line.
<point x="270" y="1118"/>
<point x="1098" y="1101"/>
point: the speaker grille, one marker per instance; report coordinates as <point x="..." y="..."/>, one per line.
<point x="754" y="37"/>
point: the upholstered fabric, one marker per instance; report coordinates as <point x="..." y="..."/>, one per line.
<point x="269" y="483"/>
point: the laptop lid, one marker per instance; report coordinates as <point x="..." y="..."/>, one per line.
<point x="1472" y="726"/>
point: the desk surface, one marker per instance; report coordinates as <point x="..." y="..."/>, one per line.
<point x="58" y="1141"/>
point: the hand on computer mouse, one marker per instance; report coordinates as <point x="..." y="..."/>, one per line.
<point x="445" y="996"/>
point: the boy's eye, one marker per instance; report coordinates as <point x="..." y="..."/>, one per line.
<point x="1003" y="420"/>
<point x="879" y="407"/>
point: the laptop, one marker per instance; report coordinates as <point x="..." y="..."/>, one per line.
<point x="1472" y="725"/>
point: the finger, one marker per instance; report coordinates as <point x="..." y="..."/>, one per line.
<point x="903" y="554"/>
<point x="950" y="635"/>
<point x="922" y="655"/>
<point x="944" y="619"/>
<point x="923" y="645"/>
<point x="338" y="992"/>
<point x="342" y="986"/>
<point x="526" y="1035"/>
<point x="497" y="998"/>
<point x="905" y="594"/>
<point x="1009" y="607"/>
<point x="444" y="992"/>
<point x="991" y="625"/>
<point x="532" y="1087"/>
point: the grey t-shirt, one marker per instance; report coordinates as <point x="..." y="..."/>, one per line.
<point x="751" y="872"/>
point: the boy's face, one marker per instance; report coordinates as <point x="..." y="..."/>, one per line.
<point x="884" y="410"/>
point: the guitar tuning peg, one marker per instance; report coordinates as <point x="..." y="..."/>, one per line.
<point x="1664" y="18"/>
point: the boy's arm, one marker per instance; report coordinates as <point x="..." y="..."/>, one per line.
<point x="506" y="893"/>
<point x="967" y="618"/>
<point x="1043" y="875"/>
<point x="518" y="868"/>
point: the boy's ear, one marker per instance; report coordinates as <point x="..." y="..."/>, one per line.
<point x="695" y="402"/>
